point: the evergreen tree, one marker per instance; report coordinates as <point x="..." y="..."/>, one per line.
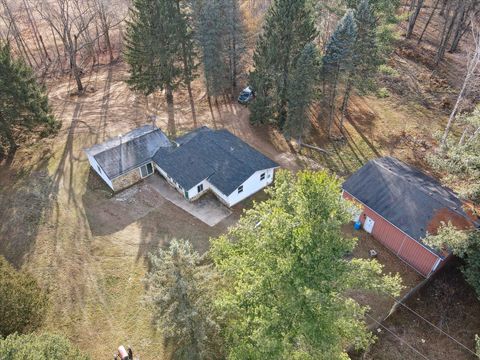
<point x="181" y="292"/>
<point x="39" y="347"/>
<point x="339" y="59"/>
<point x="24" y="104"/>
<point x="287" y="275"/>
<point x="366" y="58"/>
<point x="301" y="92"/>
<point x="22" y="302"/>
<point x="190" y="65"/>
<point x="288" y="27"/>
<point x="210" y="35"/>
<point x="234" y="34"/>
<point x="153" y="47"/>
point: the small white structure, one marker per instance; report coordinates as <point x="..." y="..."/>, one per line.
<point x="200" y="161"/>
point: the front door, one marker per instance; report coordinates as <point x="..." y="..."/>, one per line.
<point x="368" y="225"/>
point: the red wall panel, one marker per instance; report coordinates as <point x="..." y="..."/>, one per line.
<point x="398" y="242"/>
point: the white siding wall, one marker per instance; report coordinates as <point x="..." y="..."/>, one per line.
<point x="99" y="171"/>
<point x="194" y="194"/>
<point x="251" y="186"/>
<point x="170" y="181"/>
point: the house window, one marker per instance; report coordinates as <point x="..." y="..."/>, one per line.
<point x="146" y="170"/>
<point x="200" y="188"/>
<point x="262" y="176"/>
<point x="240" y="189"/>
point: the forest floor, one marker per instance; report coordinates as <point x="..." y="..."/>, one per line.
<point x="58" y="221"/>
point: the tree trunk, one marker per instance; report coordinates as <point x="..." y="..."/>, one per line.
<point x="170" y="111"/>
<point x="413" y="18"/>
<point x="446" y="33"/>
<point x="187" y="75"/>
<point x="454" y="111"/>
<point x="346" y="98"/>
<point x="428" y="22"/>
<point x="459" y="27"/>
<point x="332" y="104"/>
<point x="442" y="9"/>
<point x="73" y="64"/>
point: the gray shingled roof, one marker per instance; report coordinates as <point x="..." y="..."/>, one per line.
<point x="122" y="154"/>
<point x="401" y="194"/>
<point x="217" y="155"/>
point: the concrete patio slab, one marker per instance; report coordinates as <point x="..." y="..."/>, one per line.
<point x="207" y="209"/>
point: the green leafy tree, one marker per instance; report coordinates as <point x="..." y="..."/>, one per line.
<point x="24" y="104"/>
<point x="287" y="275"/>
<point x="301" y="92"/>
<point x="463" y="243"/>
<point x="153" y="47"/>
<point x="366" y="57"/>
<point x="288" y="28"/>
<point x="22" y="302"/>
<point x="181" y="292"/>
<point x="384" y="10"/>
<point x="339" y="59"/>
<point x="39" y="347"/>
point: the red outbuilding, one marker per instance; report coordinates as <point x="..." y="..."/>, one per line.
<point x="400" y="205"/>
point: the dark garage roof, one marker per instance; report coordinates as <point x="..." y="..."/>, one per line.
<point x="403" y="195"/>
<point x="122" y="154"/>
<point x="217" y="155"/>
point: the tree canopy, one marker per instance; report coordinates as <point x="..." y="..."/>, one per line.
<point x="22" y="302"/>
<point x="287" y="274"/>
<point x="39" y="347"/>
<point x="287" y="29"/>
<point x="181" y="292"/>
<point x="23" y="99"/>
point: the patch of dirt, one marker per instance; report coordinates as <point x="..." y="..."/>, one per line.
<point x="450" y="304"/>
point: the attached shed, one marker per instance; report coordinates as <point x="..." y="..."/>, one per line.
<point x="400" y="205"/>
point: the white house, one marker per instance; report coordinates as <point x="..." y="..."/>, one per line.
<point x="200" y="161"/>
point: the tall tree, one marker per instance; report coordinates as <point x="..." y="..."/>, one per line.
<point x="24" y="102"/>
<point x="338" y="60"/>
<point x="210" y="35"/>
<point x="39" y="347"/>
<point x="412" y="19"/>
<point x="153" y="47"/>
<point x="301" y="92"/>
<point x="366" y="57"/>
<point x="185" y="31"/>
<point x="288" y="27"/>
<point x="22" y="302"/>
<point x="287" y="275"/>
<point x="470" y="81"/>
<point x="181" y="291"/>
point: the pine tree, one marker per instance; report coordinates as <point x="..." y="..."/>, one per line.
<point x="153" y="47"/>
<point x="235" y="41"/>
<point x="339" y="58"/>
<point x="210" y="36"/>
<point x="288" y="27"/>
<point x="190" y="66"/>
<point x="24" y="104"/>
<point x="366" y="57"/>
<point x="181" y="292"/>
<point x="301" y="92"/>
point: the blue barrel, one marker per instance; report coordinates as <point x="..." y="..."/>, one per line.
<point x="357" y="225"/>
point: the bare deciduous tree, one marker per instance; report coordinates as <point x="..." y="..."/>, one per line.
<point x="471" y="78"/>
